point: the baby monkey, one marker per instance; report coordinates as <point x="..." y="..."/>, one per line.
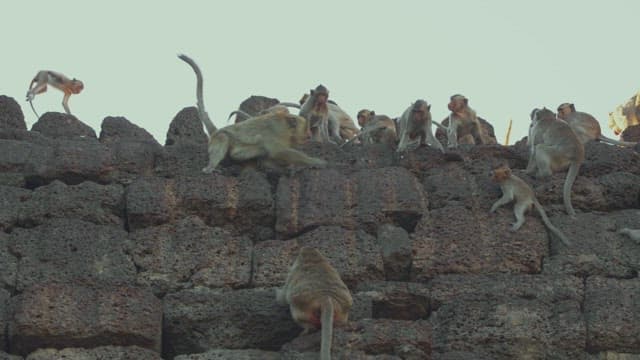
<point x="67" y="86"/>
<point x="316" y="295"/>
<point x="514" y="188"/>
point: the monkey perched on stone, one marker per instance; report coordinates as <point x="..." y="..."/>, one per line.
<point x="324" y="126"/>
<point x="464" y="126"/>
<point x="376" y="129"/>
<point x="58" y="81"/>
<point x="415" y="127"/>
<point x="514" y="188"/>
<point x="267" y="137"/>
<point x="553" y="146"/>
<point x="316" y="295"/>
<point x="586" y="126"/>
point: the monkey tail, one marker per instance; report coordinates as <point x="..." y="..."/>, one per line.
<point x="239" y="112"/>
<point x="362" y="133"/>
<point x="327" y="328"/>
<point x="442" y="127"/>
<point x="290" y="104"/>
<point x="611" y="141"/>
<point x="568" y="183"/>
<point x="34" y="109"/>
<point x="549" y="225"/>
<point x="204" y="117"/>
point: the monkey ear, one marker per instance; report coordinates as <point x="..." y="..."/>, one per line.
<point x="429" y="107"/>
<point x="372" y="113"/>
<point x="466" y="101"/>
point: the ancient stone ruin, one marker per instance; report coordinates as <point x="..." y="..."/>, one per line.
<point x="113" y="246"/>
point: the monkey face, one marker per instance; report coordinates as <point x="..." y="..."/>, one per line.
<point x="564" y="110"/>
<point x="500" y="174"/>
<point x="457" y="103"/>
<point x="321" y="99"/>
<point x="76" y="86"/>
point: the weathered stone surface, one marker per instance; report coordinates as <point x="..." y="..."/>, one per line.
<point x="244" y="202"/>
<point x="186" y="127"/>
<point x="135" y="150"/>
<point x="4" y="302"/>
<point x="511" y="328"/>
<point x="457" y="240"/>
<point x="596" y="248"/>
<point x="58" y="125"/>
<point x="74" y="315"/>
<point x="11" y="203"/>
<point x="602" y="159"/>
<point x="88" y="201"/>
<point x="396" y="252"/>
<point x="69" y="250"/>
<point x="396" y="300"/>
<point x="612" y="355"/>
<point x="23" y="157"/>
<point x="612" y="310"/>
<point x="379" y="336"/>
<point x="232" y="355"/>
<point x="364" y="199"/>
<point x="98" y="353"/>
<point x="11" y="116"/>
<point x="354" y="254"/>
<point x="244" y="319"/>
<point x="8" y="264"/>
<point x="621" y="190"/>
<point x="180" y="255"/>
<point x="71" y="161"/>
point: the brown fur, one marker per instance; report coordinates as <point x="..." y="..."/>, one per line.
<point x="514" y="188"/>
<point x="553" y="147"/>
<point x="464" y="126"/>
<point x="316" y="295"/>
<point x="377" y="129"/>
<point x="58" y="81"/>
<point x="415" y="127"/>
<point x="586" y="126"/>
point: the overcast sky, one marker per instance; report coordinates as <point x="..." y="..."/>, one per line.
<point x="507" y="57"/>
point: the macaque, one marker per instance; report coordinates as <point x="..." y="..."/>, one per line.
<point x="625" y="115"/>
<point x="586" y="126"/>
<point x="464" y="126"/>
<point x="514" y="188"/>
<point x="553" y="147"/>
<point x="376" y="129"/>
<point x="415" y="127"/>
<point x="339" y="119"/>
<point x="633" y="234"/>
<point x="268" y="137"/>
<point x="316" y="110"/>
<point x="316" y="296"/>
<point x="58" y="81"/>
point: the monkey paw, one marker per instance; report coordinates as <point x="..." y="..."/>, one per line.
<point x="209" y="170"/>
<point x="514" y="227"/>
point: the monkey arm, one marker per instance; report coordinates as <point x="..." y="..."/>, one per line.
<point x="65" y="102"/>
<point x="505" y="199"/>
<point x="293" y="156"/>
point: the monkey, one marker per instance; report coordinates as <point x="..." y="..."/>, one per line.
<point x="320" y="119"/>
<point x="415" y="122"/>
<point x="281" y="107"/>
<point x="625" y="115"/>
<point x="340" y="119"/>
<point x="633" y="234"/>
<point x="464" y="126"/>
<point x="267" y="137"/>
<point x="376" y="129"/>
<point x="586" y="126"/>
<point x="553" y="146"/>
<point x="514" y="188"/>
<point x="58" y="81"/>
<point x="316" y="296"/>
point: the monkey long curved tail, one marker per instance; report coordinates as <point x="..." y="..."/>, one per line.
<point x="204" y="117"/>
<point x="611" y="141"/>
<point x="549" y="225"/>
<point x="327" y="328"/>
<point x="34" y="109"/>
<point x="568" y="183"/>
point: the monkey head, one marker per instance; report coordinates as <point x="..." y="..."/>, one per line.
<point x="321" y="95"/>
<point x="297" y="126"/>
<point x="364" y="116"/>
<point x="565" y="109"/>
<point x="542" y="114"/>
<point x="76" y="86"/>
<point x="457" y="103"/>
<point x="500" y="173"/>
<point x="420" y="111"/>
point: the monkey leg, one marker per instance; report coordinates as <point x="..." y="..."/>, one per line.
<point x="518" y="210"/>
<point x="431" y="140"/>
<point x="476" y="133"/>
<point x="505" y="199"/>
<point x="65" y="103"/>
<point x="543" y="160"/>
<point x="452" y="134"/>
<point x="292" y="156"/>
<point x="38" y="89"/>
<point x="218" y="147"/>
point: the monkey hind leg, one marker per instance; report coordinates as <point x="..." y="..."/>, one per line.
<point x="519" y="209"/>
<point x="292" y="156"/>
<point x="218" y="147"/>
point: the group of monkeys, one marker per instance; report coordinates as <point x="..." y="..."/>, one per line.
<point x="316" y="295"/>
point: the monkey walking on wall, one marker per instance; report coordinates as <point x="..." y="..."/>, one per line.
<point x="44" y="77"/>
<point x="316" y="296"/>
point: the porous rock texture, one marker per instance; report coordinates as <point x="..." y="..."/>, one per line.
<point x="116" y="247"/>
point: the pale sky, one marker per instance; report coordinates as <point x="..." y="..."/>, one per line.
<point x="507" y="57"/>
